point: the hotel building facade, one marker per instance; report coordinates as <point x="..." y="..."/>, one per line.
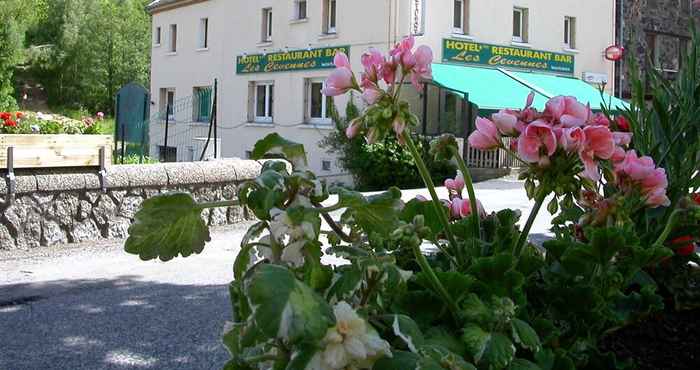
<point x="270" y="58"/>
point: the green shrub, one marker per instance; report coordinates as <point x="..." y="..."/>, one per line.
<point x="384" y="164"/>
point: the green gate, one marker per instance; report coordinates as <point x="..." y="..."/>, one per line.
<point x="131" y="126"/>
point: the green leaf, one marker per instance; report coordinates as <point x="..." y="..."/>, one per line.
<point x="399" y="361"/>
<point x="416" y="207"/>
<point x="375" y="214"/>
<point x="495" y="348"/>
<point x="605" y="243"/>
<point x="474" y="309"/>
<point x="525" y="335"/>
<point x="496" y="277"/>
<point x="405" y="328"/>
<point x="241" y="265"/>
<point x="167" y="226"/>
<point x="349" y="280"/>
<point x="301" y="357"/>
<point x="520" y="364"/>
<point x="457" y="284"/>
<point x="443" y="359"/>
<point x="286" y="308"/>
<point x="274" y="144"/>
<point x="231" y="339"/>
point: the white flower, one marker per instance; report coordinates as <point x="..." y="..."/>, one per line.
<point x="352" y="343"/>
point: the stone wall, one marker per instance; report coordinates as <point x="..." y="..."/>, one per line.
<point x="52" y="208"/>
<point x="664" y="23"/>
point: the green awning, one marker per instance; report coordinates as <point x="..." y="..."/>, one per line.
<point x="487" y="88"/>
<point x="552" y="86"/>
<point x="495" y="89"/>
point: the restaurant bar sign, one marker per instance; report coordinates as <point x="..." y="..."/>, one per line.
<point x="465" y="52"/>
<point x="295" y="60"/>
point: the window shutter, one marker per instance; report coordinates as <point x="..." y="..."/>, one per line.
<point x="251" y="102"/>
<point x="307" y="89"/>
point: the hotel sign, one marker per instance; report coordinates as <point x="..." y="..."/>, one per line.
<point x="296" y="60"/>
<point x="466" y="52"/>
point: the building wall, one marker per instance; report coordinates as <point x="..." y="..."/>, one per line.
<point x="666" y="22"/>
<point x="236" y="28"/>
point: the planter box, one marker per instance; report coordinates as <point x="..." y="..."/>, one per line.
<point x="36" y="151"/>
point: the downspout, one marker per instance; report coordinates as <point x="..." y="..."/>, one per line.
<point x="388" y="31"/>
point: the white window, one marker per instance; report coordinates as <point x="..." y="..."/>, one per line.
<point x="300" y="9"/>
<point x="330" y="19"/>
<point x="167" y="103"/>
<point x="418" y="17"/>
<point x="458" y="16"/>
<point x="204" y="33"/>
<point x="570" y="32"/>
<point x="267" y="25"/>
<point x="319" y="105"/>
<point x="264" y="101"/>
<point x="157" y="36"/>
<point x="520" y="23"/>
<point x="173" y="38"/>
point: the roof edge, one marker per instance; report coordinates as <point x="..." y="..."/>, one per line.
<point x="158" y="6"/>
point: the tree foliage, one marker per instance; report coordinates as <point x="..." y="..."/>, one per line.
<point x="80" y="51"/>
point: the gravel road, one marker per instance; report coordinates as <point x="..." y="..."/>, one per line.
<point x="93" y="306"/>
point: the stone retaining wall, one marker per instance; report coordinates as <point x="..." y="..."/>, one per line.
<point x="57" y="208"/>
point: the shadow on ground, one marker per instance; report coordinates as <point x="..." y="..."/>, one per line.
<point x="121" y="323"/>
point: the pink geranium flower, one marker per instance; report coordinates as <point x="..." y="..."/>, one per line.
<point x="506" y="122"/>
<point x="568" y="111"/>
<point x="572" y="139"/>
<point x="486" y="136"/>
<point x="341" y="80"/>
<point x="537" y="143"/>
<point x="462" y="208"/>
<point x="372" y="61"/>
<point x="599" y="144"/>
<point x="641" y="174"/>
<point x="422" y="70"/>
<point x="455" y="185"/>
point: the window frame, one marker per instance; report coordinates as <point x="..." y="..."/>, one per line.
<point x="203" y="41"/>
<point x="458" y="29"/>
<point x="325" y="118"/>
<point x="197" y="108"/>
<point x="173" y="38"/>
<point x="165" y="93"/>
<point x="331" y="14"/>
<point x="158" y="36"/>
<point x="570" y="32"/>
<point x="269" y="102"/>
<point x="523" y="13"/>
<point x="298" y="12"/>
<point x="267" y="23"/>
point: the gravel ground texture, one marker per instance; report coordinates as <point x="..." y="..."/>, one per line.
<point x="92" y="306"/>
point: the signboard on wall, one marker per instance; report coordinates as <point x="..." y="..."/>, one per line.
<point x="295" y="60"/>
<point x="497" y="56"/>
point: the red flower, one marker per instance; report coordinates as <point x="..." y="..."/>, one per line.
<point x="10" y="123"/>
<point x="696" y="198"/>
<point x="622" y="123"/>
<point x="688" y="247"/>
<point x="5" y="116"/>
<point x="19" y="115"/>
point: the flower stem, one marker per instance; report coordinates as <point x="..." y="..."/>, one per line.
<point x="437" y="285"/>
<point x="668" y="229"/>
<point x="539" y="200"/>
<point x="427" y="179"/>
<point x="470" y="190"/>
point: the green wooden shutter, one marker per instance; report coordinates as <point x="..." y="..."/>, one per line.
<point x="204" y="105"/>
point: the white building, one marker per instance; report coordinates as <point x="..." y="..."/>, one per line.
<point x="270" y="58"/>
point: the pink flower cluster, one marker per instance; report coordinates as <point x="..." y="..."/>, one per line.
<point x="641" y="174"/>
<point x="460" y="207"/>
<point x="567" y="127"/>
<point x="402" y="62"/>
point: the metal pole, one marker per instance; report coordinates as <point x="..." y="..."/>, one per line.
<point x="425" y="109"/>
<point x="146" y="100"/>
<point x="123" y="143"/>
<point x="214" y="118"/>
<point x="116" y="126"/>
<point x="167" y="125"/>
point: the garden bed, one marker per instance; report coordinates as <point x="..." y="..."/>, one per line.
<point x="668" y="341"/>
